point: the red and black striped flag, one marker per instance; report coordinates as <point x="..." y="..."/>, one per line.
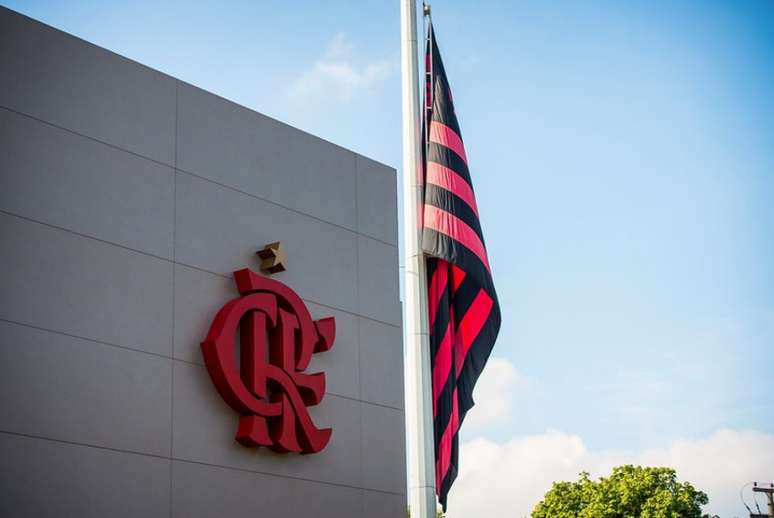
<point x="464" y="314"/>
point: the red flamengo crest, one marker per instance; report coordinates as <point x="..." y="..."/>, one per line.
<point x="268" y="386"/>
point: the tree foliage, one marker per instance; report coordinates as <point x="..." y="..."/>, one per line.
<point x="630" y="492"/>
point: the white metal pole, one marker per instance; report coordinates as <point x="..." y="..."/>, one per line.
<point x="418" y="381"/>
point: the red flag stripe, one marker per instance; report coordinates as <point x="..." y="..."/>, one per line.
<point x="471" y="325"/>
<point x="452" y="226"/>
<point x="437" y="286"/>
<point x="442" y="134"/>
<point x="452" y="182"/>
<point x="458" y="275"/>
<point x="445" y="445"/>
<point x="442" y="364"/>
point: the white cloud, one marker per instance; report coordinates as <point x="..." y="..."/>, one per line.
<point x="335" y="73"/>
<point x="494" y="394"/>
<point x="508" y="479"/>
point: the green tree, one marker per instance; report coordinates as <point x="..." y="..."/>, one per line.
<point x="629" y="492"/>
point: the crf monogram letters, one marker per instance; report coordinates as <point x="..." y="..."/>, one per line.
<point x="268" y="386"/>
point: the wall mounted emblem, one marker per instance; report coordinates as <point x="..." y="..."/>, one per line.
<point x="268" y="385"/>
<point x="272" y="258"/>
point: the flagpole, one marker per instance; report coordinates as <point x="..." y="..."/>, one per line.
<point x="418" y="382"/>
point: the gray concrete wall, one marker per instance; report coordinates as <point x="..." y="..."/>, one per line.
<point x="127" y="198"/>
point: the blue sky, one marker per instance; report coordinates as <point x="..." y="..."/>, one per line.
<point x="623" y="159"/>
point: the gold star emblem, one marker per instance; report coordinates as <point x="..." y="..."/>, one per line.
<point x="272" y="257"/>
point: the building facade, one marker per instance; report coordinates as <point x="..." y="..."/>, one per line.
<point x="127" y="199"/>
